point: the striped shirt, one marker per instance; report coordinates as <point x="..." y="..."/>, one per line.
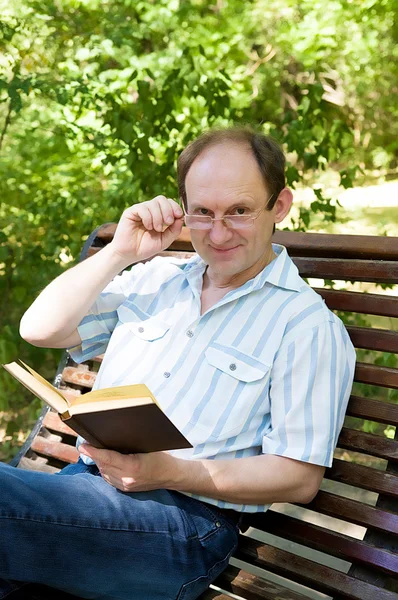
<point x="267" y="369"/>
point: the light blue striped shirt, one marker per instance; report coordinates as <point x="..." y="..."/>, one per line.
<point x="267" y="369"/>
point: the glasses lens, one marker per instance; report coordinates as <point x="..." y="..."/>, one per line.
<point x="238" y="221"/>
<point x="198" y="222"/>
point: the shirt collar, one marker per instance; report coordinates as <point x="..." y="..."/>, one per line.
<point x="281" y="272"/>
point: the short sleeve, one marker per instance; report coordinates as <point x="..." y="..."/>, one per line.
<point x="311" y="381"/>
<point x="97" y="326"/>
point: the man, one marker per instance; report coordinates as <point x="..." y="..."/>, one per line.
<point x="241" y="354"/>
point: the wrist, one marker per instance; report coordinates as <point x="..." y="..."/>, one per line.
<point x="118" y="260"/>
<point x="179" y="473"/>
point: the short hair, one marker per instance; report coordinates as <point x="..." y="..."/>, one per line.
<point x="267" y="152"/>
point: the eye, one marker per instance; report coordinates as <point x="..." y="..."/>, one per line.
<point x="203" y="211"/>
<point x="241" y="210"/>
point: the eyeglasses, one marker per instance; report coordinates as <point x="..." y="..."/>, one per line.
<point x="230" y="221"/>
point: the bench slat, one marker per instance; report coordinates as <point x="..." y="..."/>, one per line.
<point x="250" y="586"/>
<point x="375" y="445"/>
<point x="303" y="244"/>
<point x="79" y="377"/>
<point x="373" y="410"/>
<point x="307" y="572"/>
<point x="374" y="339"/>
<point x="370" y="304"/>
<point x="212" y="594"/>
<point x="36" y="464"/>
<point x="332" y="268"/>
<point x="375" y="375"/>
<point x="363" y="477"/>
<point x="353" y="512"/>
<point x="325" y="540"/>
<point x="53" y="449"/>
<point x="356" y="270"/>
<point x="53" y="422"/>
<point x="338" y="245"/>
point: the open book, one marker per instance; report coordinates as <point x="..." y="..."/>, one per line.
<point x="124" y="418"/>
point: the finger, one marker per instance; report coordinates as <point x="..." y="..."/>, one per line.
<point x="146" y="216"/>
<point x="178" y="212"/>
<point x="166" y="208"/>
<point x="157" y="216"/>
<point x="99" y="456"/>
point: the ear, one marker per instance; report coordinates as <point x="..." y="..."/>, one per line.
<point x="283" y="205"/>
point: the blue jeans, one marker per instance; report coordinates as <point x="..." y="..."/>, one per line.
<point x="74" y="532"/>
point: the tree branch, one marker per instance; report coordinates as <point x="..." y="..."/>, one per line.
<point x="6" y="124"/>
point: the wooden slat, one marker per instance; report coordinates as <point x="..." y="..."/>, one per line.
<point x="58" y="450"/>
<point x="367" y="443"/>
<point x="53" y="422"/>
<point x="306" y="572"/>
<point x="327" y="541"/>
<point x="79" y="377"/>
<point x="373" y="410"/>
<point x="370" y="304"/>
<point x="376" y="375"/>
<point x="374" y="339"/>
<point x="355" y="270"/>
<point x="363" y="477"/>
<point x="36" y="464"/>
<point x="354" y="512"/>
<point x="212" y="594"/>
<point x="338" y="245"/>
<point x="305" y="244"/>
<point x="183" y="242"/>
<point x="251" y="587"/>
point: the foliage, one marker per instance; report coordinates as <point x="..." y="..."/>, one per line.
<point x="97" y="98"/>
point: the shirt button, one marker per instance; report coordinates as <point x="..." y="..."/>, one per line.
<point x="166" y="374"/>
<point x="218" y="524"/>
<point x="190" y="333"/>
<point x="232" y="367"/>
<point x="141" y="329"/>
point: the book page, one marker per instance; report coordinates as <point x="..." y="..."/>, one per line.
<point x="45" y="392"/>
<point x="121" y="392"/>
<point x="44" y="381"/>
<point x="107" y="405"/>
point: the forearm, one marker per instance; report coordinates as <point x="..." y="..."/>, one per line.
<point x="60" y="307"/>
<point x="256" y="480"/>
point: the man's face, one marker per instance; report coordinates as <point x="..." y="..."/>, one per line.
<point x="226" y="180"/>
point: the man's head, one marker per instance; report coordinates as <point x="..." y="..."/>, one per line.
<point x="234" y="171"/>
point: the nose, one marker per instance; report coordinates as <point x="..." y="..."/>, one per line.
<point x="220" y="234"/>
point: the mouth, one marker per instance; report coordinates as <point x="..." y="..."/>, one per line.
<point x="224" y="251"/>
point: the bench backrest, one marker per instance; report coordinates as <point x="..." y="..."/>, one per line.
<point x="344" y="543"/>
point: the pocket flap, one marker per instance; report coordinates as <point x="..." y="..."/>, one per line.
<point x="151" y="328"/>
<point x="244" y="367"/>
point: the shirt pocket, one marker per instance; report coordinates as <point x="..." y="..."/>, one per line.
<point x="234" y="399"/>
<point x="144" y="327"/>
<point x="235" y="363"/>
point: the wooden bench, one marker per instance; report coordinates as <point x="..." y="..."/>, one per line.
<point x="344" y="543"/>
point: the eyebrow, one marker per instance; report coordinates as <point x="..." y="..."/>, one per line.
<point x="247" y="203"/>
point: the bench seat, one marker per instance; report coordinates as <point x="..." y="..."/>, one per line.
<point x="344" y="543"/>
